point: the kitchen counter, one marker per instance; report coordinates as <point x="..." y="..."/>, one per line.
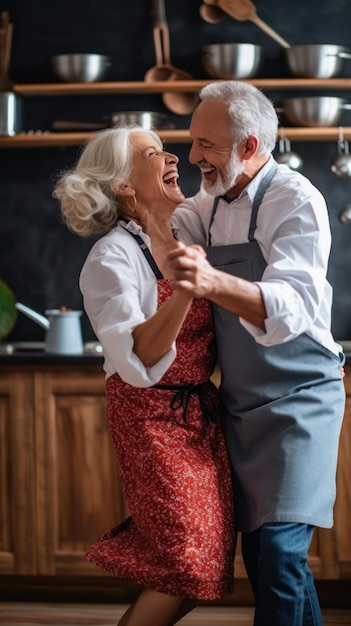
<point x="33" y="353"/>
<point x="35" y="358"/>
<point x="23" y="355"/>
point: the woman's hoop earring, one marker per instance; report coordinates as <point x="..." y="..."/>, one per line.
<point x="134" y="205"/>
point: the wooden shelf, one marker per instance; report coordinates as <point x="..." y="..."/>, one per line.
<point x="51" y="140"/>
<point x="138" y="87"/>
<point x="46" y="139"/>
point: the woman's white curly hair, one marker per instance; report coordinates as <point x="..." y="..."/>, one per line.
<point x="88" y="204"/>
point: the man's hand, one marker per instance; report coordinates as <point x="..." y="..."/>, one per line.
<point x="193" y="274"/>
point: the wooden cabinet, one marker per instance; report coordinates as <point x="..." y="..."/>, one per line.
<point x="58" y="474"/>
<point x="59" y="486"/>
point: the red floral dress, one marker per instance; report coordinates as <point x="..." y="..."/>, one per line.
<point x="175" y="473"/>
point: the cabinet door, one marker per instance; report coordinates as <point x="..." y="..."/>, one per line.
<point x="79" y="494"/>
<point x="17" y="515"/>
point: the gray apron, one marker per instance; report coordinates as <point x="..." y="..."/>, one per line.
<point x="283" y="407"/>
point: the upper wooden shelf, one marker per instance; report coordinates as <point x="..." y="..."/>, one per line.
<point x="135" y="87"/>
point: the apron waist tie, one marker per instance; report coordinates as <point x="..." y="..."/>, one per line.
<point x="206" y="393"/>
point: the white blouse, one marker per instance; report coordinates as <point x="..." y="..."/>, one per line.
<point x="293" y="233"/>
<point x="119" y="292"/>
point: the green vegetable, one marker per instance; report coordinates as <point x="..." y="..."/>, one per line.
<point x="8" y="311"/>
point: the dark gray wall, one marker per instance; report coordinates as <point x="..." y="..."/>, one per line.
<point x="39" y="258"/>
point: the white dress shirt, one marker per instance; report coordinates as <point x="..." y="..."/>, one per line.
<point x="293" y="233"/>
<point x="119" y="292"/>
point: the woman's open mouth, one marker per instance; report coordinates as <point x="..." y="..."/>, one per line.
<point x="171" y="178"/>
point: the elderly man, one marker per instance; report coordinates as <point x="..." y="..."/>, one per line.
<point x="266" y="233"/>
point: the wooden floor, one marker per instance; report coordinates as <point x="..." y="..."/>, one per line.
<point x="55" y="614"/>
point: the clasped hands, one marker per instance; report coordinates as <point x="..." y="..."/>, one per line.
<point x="190" y="270"/>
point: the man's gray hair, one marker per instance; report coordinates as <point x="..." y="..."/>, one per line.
<point x="251" y="112"/>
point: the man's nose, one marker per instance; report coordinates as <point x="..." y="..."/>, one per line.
<point x="194" y="155"/>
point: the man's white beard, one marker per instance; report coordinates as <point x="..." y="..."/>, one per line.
<point x="223" y="183"/>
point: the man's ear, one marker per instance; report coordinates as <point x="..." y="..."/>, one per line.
<point x="250" y="147"/>
<point x="125" y="190"/>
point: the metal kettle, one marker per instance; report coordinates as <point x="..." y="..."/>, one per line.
<point x="63" y="329"/>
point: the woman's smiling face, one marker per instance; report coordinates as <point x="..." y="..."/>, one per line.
<point x="154" y="172"/>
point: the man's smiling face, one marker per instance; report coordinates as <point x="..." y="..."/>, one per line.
<point x="212" y="147"/>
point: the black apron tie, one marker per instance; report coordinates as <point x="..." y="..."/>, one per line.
<point x="206" y="393"/>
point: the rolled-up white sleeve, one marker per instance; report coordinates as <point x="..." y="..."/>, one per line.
<point x="120" y="292"/>
<point x="293" y="285"/>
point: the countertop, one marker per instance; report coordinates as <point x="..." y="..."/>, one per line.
<point x="22" y="354"/>
<point x="33" y="353"/>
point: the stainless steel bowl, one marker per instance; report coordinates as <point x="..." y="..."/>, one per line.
<point x="80" y="68"/>
<point x="317" y="61"/>
<point x="231" y="60"/>
<point x="314" y="111"/>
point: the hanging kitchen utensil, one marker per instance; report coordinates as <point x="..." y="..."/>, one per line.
<point x="341" y="164"/>
<point x="211" y="13"/>
<point x="345" y="215"/>
<point x="5" y="51"/>
<point x="243" y="10"/>
<point x="287" y="157"/>
<point x="182" y="103"/>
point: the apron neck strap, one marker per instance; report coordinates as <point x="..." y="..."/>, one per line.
<point x="146" y="252"/>
<point x="264" y="184"/>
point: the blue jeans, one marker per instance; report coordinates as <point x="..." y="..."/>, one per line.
<point x="275" y="557"/>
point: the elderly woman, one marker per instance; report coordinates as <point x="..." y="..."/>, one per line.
<point x="163" y="411"/>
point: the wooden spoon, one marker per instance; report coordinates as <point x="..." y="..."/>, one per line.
<point x="245" y="10"/>
<point x="211" y="13"/>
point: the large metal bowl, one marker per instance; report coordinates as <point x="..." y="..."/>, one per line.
<point x="231" y="60"/>
<point x="314" y="111"/>
<point x="80" y="68"/>
<point x="317" y="61"/>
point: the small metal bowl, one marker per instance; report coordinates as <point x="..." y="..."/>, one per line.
<point x="231" y="60"/>
<point x="80" y="68"/>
